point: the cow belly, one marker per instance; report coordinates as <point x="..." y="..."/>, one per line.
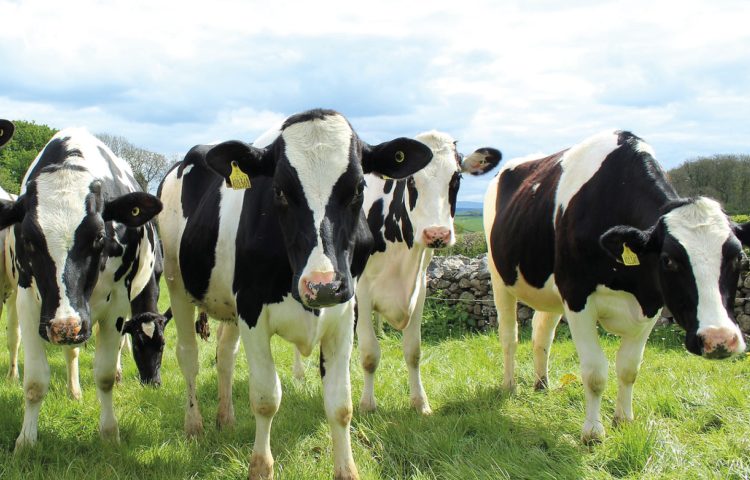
<point x="546" y="299"/>
<point x="293" y="323"/>
<point x="619" y="312"/>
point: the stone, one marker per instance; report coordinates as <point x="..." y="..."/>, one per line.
<point x="744" y="322"/>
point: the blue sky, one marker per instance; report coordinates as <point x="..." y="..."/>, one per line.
<point x="525" y="77"/>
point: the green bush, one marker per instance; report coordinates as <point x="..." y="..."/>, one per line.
<point x="470" y="244"/>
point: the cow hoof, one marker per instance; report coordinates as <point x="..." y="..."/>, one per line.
<point x="368" y="405"/>
<point x="194" y="428"/>
<point x="421" y="405"/>
<point x="12" y="376"/>
<point x="225" y="420"/>
<point x="75" y="394"/>
<point x="110" y="434"/>
<point x="346" y="473"/>
<point x="261" y="467"/>
<point x="22" y="443"/>
<point x="619" y="420"/>
<point x="541" y="384"/>
<point x="592" y="434"/>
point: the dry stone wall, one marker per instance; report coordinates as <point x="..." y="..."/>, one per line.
<point x="464" y="283"/>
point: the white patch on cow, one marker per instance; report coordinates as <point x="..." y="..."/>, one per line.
<point x="145" y="263"/>
<point x="535" y="187"/>
<point x="148" y="328"/>
<point x="268" y="137"/>
<point x="702" y="228"/>
<point x="644" y="147"/>
<point x="187" y="169"/>
<point x="580" y="163"/>
<point x="61" y="209"/>
<point x="433" y="208"/>
<point x="319" y="151"/>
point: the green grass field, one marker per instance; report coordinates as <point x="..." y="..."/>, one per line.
<point x="468" y="222"/>
<point x="692" y="420"/>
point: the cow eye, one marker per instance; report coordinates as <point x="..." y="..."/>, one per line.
<point x="359" y="191"/>
<point x="669" y="264"/>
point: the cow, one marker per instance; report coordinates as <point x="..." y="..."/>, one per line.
<point x="409" y="218"/>
<point x="597" y="233"/>
<point x="278" y="256"/>
<point x="82" y="249"/>
<point x="6" y="131"/>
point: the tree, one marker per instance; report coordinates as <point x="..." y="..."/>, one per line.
<point x="725" y="178"/>
<point x="28" y="140"/>
<point x="148" y="167"/>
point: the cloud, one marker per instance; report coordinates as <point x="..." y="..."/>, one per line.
<point x="519" y="76"/>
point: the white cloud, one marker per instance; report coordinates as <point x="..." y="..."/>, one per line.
<point x="520" y="76"/>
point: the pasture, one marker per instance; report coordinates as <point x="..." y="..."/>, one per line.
<point x="692" y="419"/>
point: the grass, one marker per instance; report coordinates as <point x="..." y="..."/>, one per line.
<point x="692" y="420"/>
<point x="468" y="222"/>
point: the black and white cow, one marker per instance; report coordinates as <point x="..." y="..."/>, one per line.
<point x="82" y="250"/>
<point x="597" y="233"/>
<point x="408" y="219"/>
<point x="6" y="131"/>
<point x="280" y="257"/>
<point x="6" y="285"/>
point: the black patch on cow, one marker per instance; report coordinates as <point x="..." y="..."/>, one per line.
<point x="388" y="186"/>
<point x="316" y="114"/>
<point x="375" y="220"/>
<point x="453" y="186"/>
<point x="322" y="364"/>
<point x="411" y="188"/>
<point x="522" y="234"/>
<point x="398" y="227"/>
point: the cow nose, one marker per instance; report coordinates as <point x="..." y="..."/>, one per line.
<point x="721" y="342"/>
<point x="436" y="237"/>
<point x="65" y="331"/>
<point x="319" y="289"/>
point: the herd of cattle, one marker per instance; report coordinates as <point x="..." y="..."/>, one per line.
<point x="308" y="228"/>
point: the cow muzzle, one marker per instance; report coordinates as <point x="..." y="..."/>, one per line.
<point x="320" y="289"/>
<point x="66" y="331"/>
<point x="721" y="342"/>
<point x="436" y="237"/>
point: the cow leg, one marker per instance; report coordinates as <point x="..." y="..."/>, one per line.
<point x="335" y="353"/>
<point x="124" y="345"/>
<point x="71" y="360"/>
<point x="13" y="336"/>
<point x="187" y="357"/>
<point x="105" y="370"/>
<point x="412" y="340"/>
<point x="507" y="325"/>
<point x="543" y="326"/>
<point x="36" y="368"/>
<point x="629" y="357"/>
<point x="369" y="353"/>
<point x="298" y="369"/>
<point x="265" y="394"/>
<point x="227" y="346"/>
<point x="593" y="370"/>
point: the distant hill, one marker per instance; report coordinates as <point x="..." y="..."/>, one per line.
<point x="463" y="206"/>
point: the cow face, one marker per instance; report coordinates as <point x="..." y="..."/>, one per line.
<point x="317" y="164"/>
<point x="433" y="191"/>
<point x="147" y="333"/>
<point x="6" y="131"/>
<point x="697" y="252"/>
<point x="62" y="243"/>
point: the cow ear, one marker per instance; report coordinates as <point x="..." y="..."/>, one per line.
<point x="626" y="244"/>
<point x="11" y="212"/>
<point x="233" y="159"/>
<point x="398" y="158"/>
<point x="132" y="209"/>
<point x="481" y="161"/>
<point x="742" y="232"/>
<point x="6" y="131"/>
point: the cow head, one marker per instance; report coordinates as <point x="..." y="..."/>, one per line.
<point x="317" y="164"/>
<point x="147" y="333"/>
<point x="6" y="131"/>
<point x="433" y="191"/>
<point x="697" y="253"/>
<point x="62" y="243"/>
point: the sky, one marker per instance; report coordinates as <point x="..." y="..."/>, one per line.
<point x="522" y="76"/>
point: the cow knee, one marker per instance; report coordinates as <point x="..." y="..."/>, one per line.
<point x="370" y="362"/>
<point x="265" y="409"/>
<point x="105" y="383"/>
<point x="412" y="358"/>
<point x="595" y="379"/>
<point x="343" y="415"/>
<point x="34" y="392"/>
<point x="627" y="375"/>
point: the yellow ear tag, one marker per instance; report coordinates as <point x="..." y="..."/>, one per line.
<point x="629" y="258"/>
<point x="238" y="179"/>
<point x="400" y="157"/>
<point x="135" y="211"/>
